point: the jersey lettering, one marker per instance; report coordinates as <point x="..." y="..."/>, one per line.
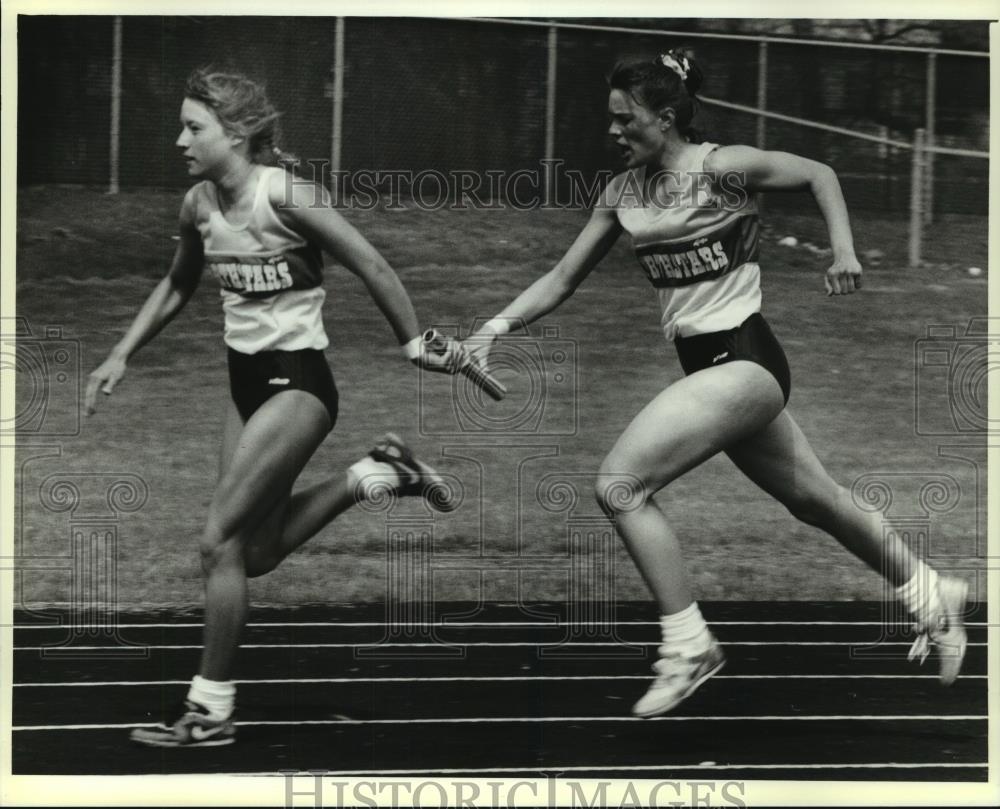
<point x="708" y="256"/>
<point x="260" y="277"/>
<point x="704" y="259"/>
<point x="252" y="277"/>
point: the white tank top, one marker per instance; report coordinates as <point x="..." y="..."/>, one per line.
<point x="699" y="253"/>
<point x="270" y="275"/>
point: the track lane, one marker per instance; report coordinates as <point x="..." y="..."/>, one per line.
<point x="262" y="663"/>
<point x="532" y="747"/>
<point x="531" y="725"/>
<point x="553" y="698"/>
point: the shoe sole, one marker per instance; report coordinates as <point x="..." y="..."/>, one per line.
<point x="693" y="687"/>
<point x="954" y="610"/>
<point x="206" y="743"/>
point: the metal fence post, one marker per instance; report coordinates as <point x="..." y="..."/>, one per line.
<point x="761" y="105"/>
<point x="916" y="197"/>
<point x="885" y="173"/>
<point x="550" y="114"/>
<point x="336" y="136"/>
<point x="930" y="112"/>
<point x="761" y="93"/>
<point x="116" y="105"/>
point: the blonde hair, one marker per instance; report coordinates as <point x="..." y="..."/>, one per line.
<point x="243" y="109"/>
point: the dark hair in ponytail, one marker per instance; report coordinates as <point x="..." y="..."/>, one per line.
<point x="671" y="80"/>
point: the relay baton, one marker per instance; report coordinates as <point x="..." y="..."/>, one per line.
<point x="437" y="344"/>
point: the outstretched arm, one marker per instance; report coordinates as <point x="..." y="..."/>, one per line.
<point x="163" y="303"/>
<point x="783" y="171"/>
<point x="558" y="284"/>
<point x="311" y="213"/>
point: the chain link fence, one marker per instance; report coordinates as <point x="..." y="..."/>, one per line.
<point x="491" y="95"/>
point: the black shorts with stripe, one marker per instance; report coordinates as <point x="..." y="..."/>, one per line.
<point x="255" y="378"/>
<point x="752" y="340"/>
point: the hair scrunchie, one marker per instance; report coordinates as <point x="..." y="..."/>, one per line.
<point x="677" y="62"/>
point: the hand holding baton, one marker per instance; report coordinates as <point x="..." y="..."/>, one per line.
<point x="435" y="343"/>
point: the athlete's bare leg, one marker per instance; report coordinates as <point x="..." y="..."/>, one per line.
<point x="780" y="460"/>
<point x="294" y="518"/>
<point x="686" y="424"/>
<point x="271" y="451"/>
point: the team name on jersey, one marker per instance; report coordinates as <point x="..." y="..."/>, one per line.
<point x="689" y="262"/>
<point x="262" y="276"/>
<point x="244" y="278"/>
<point x="662" y="268"/>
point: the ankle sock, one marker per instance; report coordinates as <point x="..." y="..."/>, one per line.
<point x="919" y="595"/>
<point x="218" y="697"/>
<point x="370" y="479"/>
<point x="686" y="631"/>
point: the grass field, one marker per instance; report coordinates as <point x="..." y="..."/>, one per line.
<point x="86" y="261"/>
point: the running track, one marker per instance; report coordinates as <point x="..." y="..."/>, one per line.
<point x="808" y="693"/>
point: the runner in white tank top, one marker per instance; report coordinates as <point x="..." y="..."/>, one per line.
<point x="703" y="264"/>
<point x="262" y="238"/>
<point x="698" y="253"/>
<point x="270" y="276"/>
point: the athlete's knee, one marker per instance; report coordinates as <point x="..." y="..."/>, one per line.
<point x="224" y="523"/>
<point x="618" y="492"/>
<point x="219" y="552"/>
<point x="219" y="544"/>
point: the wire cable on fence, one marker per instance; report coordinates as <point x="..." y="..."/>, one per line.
<point x="614" y="29"/>
<point x="899" y="144"/>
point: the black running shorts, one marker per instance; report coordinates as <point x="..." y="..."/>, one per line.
<point x="255" y="378"/>
<point x="752" y="340"/>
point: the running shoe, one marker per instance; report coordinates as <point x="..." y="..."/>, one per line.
<point x="677" y="678"/>
<point x="192" y="726"/>
<point x="946" y="630"/>
<point x="411" y="476"/>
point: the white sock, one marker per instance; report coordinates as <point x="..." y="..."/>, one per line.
<point x="686" y="631"/>
<point x="372" y="479"/>
<point x="919" y="595"/>
<point x="218" y="697"/>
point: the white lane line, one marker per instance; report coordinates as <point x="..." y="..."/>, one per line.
<point x="487" y="679"/>
<point x="456" y="625"/>
<point x="468" y="720"/>
<point x="869" y="644"/>
<point x="558" y="768"/>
